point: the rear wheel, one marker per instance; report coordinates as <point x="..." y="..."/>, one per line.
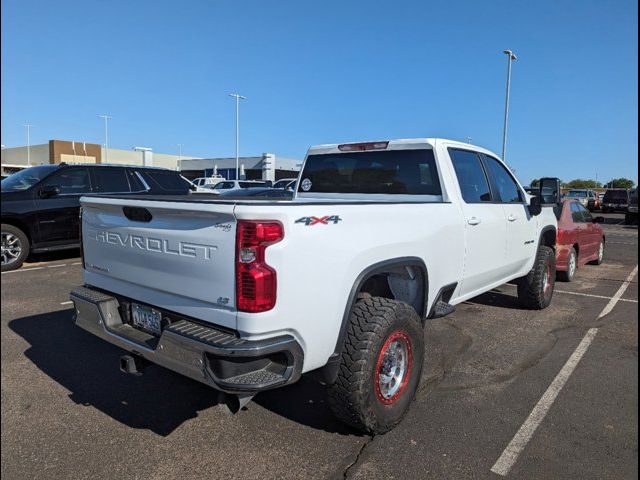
<point x="600" y="259"/>
<point x="535" y="290"/>
<point x="380" y="365"/>
<point x="15" y="247"/>
<point x="572" y="266"/>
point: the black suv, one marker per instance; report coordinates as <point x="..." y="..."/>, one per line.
<point x="41" y="205"/>
<point x="615" y="200"/>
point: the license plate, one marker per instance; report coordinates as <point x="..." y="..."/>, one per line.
<point x="146" y="318"/>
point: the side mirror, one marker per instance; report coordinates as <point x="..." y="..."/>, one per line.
<point x="535" y="206"/>
<point x="598" y="220"/>
<point x="49" y="191"/>
<point x="550" y="191"/>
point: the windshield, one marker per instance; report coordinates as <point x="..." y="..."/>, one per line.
<point x="26" y="178"/>
<point x="577" y="194"/>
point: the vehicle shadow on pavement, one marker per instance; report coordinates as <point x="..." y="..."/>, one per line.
<point x="496" y="298"/>
<point x="304" y="402"/>
<point x="53" y="256"/>
<point x="159" y="400"/>
<point x="88" y="367"/>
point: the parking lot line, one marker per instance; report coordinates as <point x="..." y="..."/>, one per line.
<point x="618" y="294"/>
<point x="66" y="303"/>
<point x="510" y="454"/>
<point x="595" y="296"/>
<point x="20" y="270"/>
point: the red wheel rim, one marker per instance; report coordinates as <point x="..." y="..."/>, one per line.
<point x="548" y="281"/>
<point x="393" y="368"/>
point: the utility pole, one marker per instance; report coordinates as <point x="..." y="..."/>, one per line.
<point x="106" y="119"/>
<point x="28" y="127"/>
<point x="179" y="156"/>
<point x="238" y="97"/>
<point x="511" y="58"/>
<point x="469" y="140"/>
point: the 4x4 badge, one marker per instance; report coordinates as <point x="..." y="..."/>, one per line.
<point x="311" y="221"/>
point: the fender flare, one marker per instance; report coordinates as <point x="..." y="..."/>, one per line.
<point x="330" y="370"/>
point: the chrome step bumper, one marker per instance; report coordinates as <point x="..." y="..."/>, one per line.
<point x="212" y="356"/>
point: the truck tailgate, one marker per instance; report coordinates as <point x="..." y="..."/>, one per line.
<point x="178" y="255"/>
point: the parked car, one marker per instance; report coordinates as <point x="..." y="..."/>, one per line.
<point x="587" y="197"/>
<point x="246" y="296"/>
<point x="632" y="212"/>
<point x="615" y="200"/>
<point x="580" y="239"/>
<point x="228" y="185"/>
<point x="207" y="181"/>
<point x="258" y="192"/>
<point x="285" y="183"/>
<point x="41" y="205"/>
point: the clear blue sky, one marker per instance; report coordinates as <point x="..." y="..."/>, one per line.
<point x="329" y="71"/>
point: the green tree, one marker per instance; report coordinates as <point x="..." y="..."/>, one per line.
<point x="581" y="183"/>
<point x="621" y="183"/>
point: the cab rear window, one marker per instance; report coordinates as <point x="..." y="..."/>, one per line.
<point x="395" y="172"/>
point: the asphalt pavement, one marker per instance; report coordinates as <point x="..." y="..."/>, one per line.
<point x="489" y="392"/>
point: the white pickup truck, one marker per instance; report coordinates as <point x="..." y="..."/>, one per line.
<point x="247" y="295"/>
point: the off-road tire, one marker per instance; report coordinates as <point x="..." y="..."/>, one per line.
<point x="24" y="245"/>
<point x="532" y="293"/>
<point x="569" y="274"/>
<point x="355" y="397"/>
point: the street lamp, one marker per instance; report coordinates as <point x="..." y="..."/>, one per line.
<point x="106" y="119"/>
<point x="238" y="98"/>
<point x="28" y="127"/>
<point x="511" y="58"/>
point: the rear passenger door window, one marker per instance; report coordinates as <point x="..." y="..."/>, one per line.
<point x="472" y="179"/>
<point x="70" y="181"/>
<point x="576" y="213"/>
<point x="586" y="214"/>
<point x="505" y="187"/>
<point x="110" y="180"/>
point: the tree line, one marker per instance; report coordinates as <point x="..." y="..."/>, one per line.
<point x="582" y="183"/>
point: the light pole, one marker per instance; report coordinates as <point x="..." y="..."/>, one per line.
<point x="511" y="57"/>
<point x="179" y="155"/>
<point x="106" y="119"/>
<point x="238" y="98"/>
<point x="469" y="140"/>
<point x="28" y="127"/>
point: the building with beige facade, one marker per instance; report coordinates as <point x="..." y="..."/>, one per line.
<point x="61" y="151"/>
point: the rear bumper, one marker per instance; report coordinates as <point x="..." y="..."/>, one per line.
<point x="217" y="358"/>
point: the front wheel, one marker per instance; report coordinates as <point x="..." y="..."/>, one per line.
<point x="15" y="247"/>
<point x="380" y="365"/>
<point x="535" y="290"/>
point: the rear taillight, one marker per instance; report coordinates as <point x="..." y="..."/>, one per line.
<point x="563" y="236"/>
<point x="256" y="281"/>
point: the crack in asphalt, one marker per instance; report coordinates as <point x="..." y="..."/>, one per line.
<point x="356" y="460"/>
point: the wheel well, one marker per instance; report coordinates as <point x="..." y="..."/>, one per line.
<point x="548" y="238"/>
<point x="576" y="247"/>
<point x="404" y="278"/>
<point x="406" y="283"/>
<point x="18" y="224"/>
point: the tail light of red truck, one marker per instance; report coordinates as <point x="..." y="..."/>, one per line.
<point x="256" y="282"/>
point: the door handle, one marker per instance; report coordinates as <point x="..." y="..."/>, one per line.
<point x="512" y="218"/>
<point x="474" y="221"/>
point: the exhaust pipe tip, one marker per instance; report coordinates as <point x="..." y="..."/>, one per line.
<point x="132" y="365"/>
